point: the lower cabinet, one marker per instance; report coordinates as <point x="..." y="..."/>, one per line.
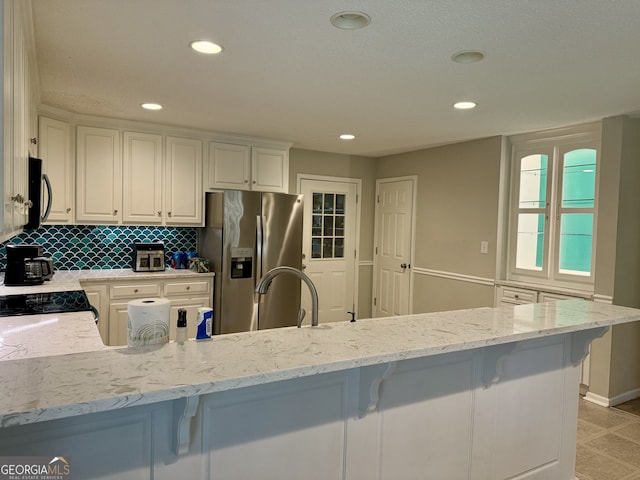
<point x="98" y="297"/>
<point x="112" y="298"/>
<point x="507" y="295"/>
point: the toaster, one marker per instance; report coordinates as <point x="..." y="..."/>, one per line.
<point x="148" y="257"/>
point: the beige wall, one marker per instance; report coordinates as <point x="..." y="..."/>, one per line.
<point x="348" y="166"/>
<point x="615" y="358"/>
<point x="435" y="294"/>
<point x="457" y="208"/>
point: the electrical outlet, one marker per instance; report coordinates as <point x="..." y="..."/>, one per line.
<point x="484" y="246"/>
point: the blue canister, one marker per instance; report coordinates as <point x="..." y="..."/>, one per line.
<point x="184" y="260"/>
<point x="176" y="260"/>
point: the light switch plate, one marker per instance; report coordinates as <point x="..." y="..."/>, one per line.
<point x="484" y="247"/>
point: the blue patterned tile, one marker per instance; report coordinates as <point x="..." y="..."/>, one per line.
<point x="79" y="247"/>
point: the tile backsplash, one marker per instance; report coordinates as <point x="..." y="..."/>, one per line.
<point x="90" y="247"/>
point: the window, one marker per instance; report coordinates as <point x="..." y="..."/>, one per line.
<point x="327" y="229"/>
<point x="554" y="209"/>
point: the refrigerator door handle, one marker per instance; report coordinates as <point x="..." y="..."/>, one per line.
<point x="259" y="237"/>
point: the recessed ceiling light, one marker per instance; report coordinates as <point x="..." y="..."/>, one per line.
<point x="151" y="106"/>
<point x="205" y="46"/>
<point x="464" y="105"/>
<point x="347" y="136"/>
<point x="467" y="56"/>
<point x="350" y="20"/>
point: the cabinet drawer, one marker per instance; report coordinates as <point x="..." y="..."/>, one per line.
<point x="137" y="291"/>
<point x="554" y="297"/>
<point x="516" y="295"/>
<point x="186" y="288"/>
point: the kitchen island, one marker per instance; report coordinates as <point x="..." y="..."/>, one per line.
<point x="483" y="393"/>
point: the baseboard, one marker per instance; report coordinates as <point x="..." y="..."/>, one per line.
<point x="610" y="402"/>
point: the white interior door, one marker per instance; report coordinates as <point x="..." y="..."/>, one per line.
<point x="393" y="247"/>
<point x="329" y="246"/>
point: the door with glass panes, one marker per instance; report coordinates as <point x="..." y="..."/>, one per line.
<point x="329" y="246"/>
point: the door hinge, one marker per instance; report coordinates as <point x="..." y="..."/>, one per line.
<point x="355" y="254"/>
<point x="376" y="250"/>
<point x="375" y="301"/>
<point x="357" y="198"/>
<point x="378" y="200"/>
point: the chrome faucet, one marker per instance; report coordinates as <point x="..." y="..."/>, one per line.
<point x="265" y="282"/>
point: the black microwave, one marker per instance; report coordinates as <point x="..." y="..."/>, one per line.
<point x="38" y="180"/>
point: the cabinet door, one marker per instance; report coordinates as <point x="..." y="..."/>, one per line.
<point x="183" y="202"/>
<point x="269" y="170"/>
<point x="118" y="318"/>
<point x="191" y="305"/>
<point x="55" y="152"/>
<point x="97" y="295"/>
<point x="21" y="121"/>
<point x="98" y="176"/>
<point x="142" y="178"/>
<point x="16" y="122"/>
<point x="229" y="166"/>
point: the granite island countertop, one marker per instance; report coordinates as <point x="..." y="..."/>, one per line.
<point x="49" y="387"/>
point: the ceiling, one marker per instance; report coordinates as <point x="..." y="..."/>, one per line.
<point x="286" y="73"/>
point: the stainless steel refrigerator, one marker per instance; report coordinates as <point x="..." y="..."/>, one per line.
<point x="246" y="234"/>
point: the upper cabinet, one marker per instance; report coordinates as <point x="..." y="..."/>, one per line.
<point x="229" y="166"/>
<point x="243" y="167"/>
<point x="105" y="172"/>
<point x="183" y="198"/>
<point x="98" y="176"/>
<point x="142" y="178"/>
<point x="55" y="151"/>
<point x="147" y="185"/>
<point x="269" y="170"/>
<point x="18" y="119"/>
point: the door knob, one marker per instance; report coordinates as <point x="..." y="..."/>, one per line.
<point x="404" y="265"/>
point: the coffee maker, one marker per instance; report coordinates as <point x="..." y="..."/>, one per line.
<point x="26" y="265"/>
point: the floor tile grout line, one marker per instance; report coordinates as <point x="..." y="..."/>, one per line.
<point x="635" y="468"/>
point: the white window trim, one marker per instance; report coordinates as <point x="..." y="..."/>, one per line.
<point x="554" y="142"/>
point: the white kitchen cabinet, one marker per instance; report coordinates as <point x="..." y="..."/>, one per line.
<point x="17" y="114"/>
<point x="120" y="294"/>
<point x="98" y="176"/>
<point x="99" y="298"/>
<point x="229" y="166"/>
<point x="515" y="296"/>
<point x="183" y="196"/>
<point x="510" y="295"/>
<point x="554" y="297"/>
<point x="242" y="167"/>
<point x="57" y="162"/>
<point x="188" y="293"/>
<point x="142" y="185"/>
<point x="269" y="170"/>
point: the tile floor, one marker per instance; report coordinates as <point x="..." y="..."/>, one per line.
<point x="608" y="443"/>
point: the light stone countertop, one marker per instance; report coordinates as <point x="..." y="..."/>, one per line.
<point x="46" y="388"/>
<point x="33" y="336"/>
<point x="70" y="279"/>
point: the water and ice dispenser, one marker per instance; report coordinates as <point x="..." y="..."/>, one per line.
<point x="241" y="262"/>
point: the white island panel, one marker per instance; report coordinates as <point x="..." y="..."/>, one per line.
<point x="476" y="394"/>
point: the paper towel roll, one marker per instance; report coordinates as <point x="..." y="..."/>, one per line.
<point x="148" y="322"/>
